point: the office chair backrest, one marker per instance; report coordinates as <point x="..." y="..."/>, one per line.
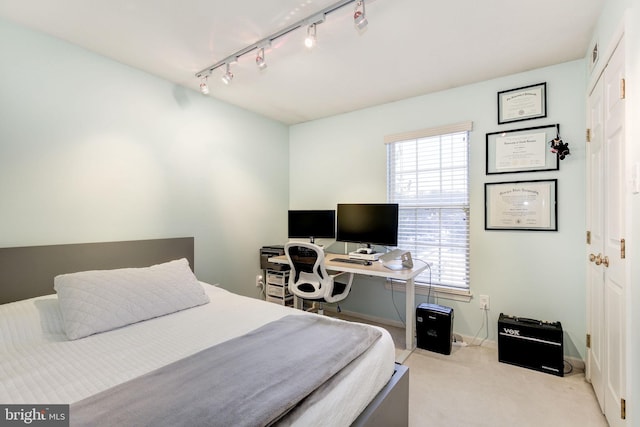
<point x="309" y="278"/>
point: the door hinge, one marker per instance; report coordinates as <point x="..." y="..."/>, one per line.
<point x="588" y="340"/>
<point x="588" y="237"/>
<point x="623" y="409"/>
<point x="622" y="89"/>
<point x="623" y="249"/>
<point x="588" y="135"/>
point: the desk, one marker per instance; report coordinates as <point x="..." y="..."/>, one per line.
<point x="378" y="270"/>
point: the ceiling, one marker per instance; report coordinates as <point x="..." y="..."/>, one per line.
<point x="409" y="48"/>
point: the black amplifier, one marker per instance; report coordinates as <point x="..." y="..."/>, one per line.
<point x="267" y="252"/>
<point x="434" y="327"/>
<point x="531" y="343"/>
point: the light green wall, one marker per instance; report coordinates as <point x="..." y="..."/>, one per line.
<point x="93" y="150"/>
<point x="531" y="274"/>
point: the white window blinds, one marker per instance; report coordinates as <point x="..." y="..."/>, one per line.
<point x="428" y="176"/>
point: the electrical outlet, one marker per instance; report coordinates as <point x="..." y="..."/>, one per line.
<point x="484" y="302"/>
<point x="259" y="281"/>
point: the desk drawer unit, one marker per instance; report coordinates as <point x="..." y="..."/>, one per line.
<point x="531" y="343"/>
<point x="277" y="289"/>
<point x="277" y="277"/>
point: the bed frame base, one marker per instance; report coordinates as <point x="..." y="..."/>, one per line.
<point x="390" y="407"/>
<point x="28" y="272"/>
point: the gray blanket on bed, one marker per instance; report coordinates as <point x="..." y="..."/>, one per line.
<point x="251" y="380"/>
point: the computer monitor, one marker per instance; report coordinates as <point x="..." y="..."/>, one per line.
<point x="312" y="224"/>
<point x="368" y="223"/>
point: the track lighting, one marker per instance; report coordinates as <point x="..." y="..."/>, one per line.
<point x="204" y="88"/>
<point x="310" y="40"/>
<point x="260" y="62"/>
<point x="359" y="16"/>
<point x="310" y="22"/>
<point x="228" y="75"/>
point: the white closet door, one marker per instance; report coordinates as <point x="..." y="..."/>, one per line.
<point x="606" y="287"/>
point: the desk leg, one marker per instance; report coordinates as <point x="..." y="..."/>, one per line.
<point x="410" y="290"/>
<point x="410" y="325"/>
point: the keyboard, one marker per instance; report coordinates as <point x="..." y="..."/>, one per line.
<point x="352" y="261"/>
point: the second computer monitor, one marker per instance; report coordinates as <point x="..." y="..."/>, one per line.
<point x="368" y="223"/>
<point x="312" y="224"/>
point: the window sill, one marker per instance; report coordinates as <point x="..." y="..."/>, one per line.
<point x="437" y="292"/>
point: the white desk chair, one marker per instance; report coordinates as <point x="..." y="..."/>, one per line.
<point x="309" y="279"/>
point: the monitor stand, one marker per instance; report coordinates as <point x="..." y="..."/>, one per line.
<point x="312" y="240"/>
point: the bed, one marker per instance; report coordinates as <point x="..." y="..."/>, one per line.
<point x="46" y="358"/>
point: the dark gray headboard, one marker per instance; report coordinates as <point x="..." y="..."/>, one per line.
<point x="27" y="272"/>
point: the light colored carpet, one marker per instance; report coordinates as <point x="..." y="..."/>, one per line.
<point x="471" y="388"/>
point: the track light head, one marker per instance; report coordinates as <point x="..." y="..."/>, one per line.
<point x="204" y="88"/>
<point x="260" y="61"/>
<point x="360" y="17"/>
<point x="310" y="40"/>
<point x="228" y="75"/>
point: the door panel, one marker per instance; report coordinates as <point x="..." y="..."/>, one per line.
<point x="595" y="224"/>
<point x="614" y="210"/>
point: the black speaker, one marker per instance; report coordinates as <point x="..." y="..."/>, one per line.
<point x="531" y="343"/>
<point x="434" y="327"/>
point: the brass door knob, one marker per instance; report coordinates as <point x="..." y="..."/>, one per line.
<point x="596" y="258"/>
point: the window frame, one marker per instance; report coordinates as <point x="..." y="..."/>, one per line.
<point x="426" y="287"/>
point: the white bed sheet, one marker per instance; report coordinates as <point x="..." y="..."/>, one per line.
<point x="38" y="364"/>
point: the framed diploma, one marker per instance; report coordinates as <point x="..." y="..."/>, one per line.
<point x="523" y="103"/>
<point x="522" y="150"/>
<point x="521" y="205"/>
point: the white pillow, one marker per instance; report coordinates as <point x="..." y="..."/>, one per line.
<point x="101" y="300"/>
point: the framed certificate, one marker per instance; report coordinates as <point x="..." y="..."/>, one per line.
<point x="523" y="103"/>
<point x="522" y="150"/>
<point x="521" y="205"/>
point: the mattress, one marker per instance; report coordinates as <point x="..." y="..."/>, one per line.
<point x="38" y="364"/>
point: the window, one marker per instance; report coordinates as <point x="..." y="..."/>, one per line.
<point x="428" y="176"/>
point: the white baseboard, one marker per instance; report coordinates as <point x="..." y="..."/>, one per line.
<point x="467" y="340"/>
<point x="464" y="339"/>
<point x="374" y="319"/>
<point x="459" y="339"/>
<point x="577" y="363"/>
